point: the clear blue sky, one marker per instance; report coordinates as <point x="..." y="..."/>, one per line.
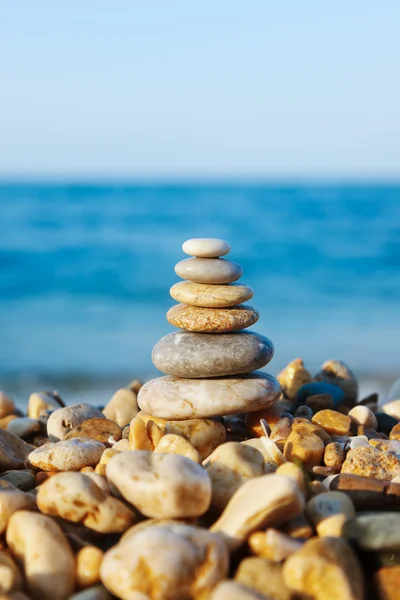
<point x="216" y="88"/>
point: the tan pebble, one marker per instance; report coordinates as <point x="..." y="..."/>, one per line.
<point x="88" y="561"/>
<point x="271" y="415"/>
<point x="204" y="434"/>
<point x="362" y="415"/>
<point x="294" y="472"/>
<point x="319" y="402"/>
<point x="62" y="420"/>
<point x="176" y="444"/>
<point x="145" y="417"/>
<point x="293" y="377"/>
<point x="231" y="590"/>
<point x="10" y="576"/>
<point x="387" y="582"/>
<point x="23" y="426"/>
<point x="334" y="454"/>
<point x="273" y="544"/>
<point x="257" y="443"/>
<point x="266" y="501"/>
<point x="100" y="429"/>
<point x="392" y="409"/>
<point x="13" y="451"/>
<point x="298" y="527"/>
<point x="138" y="435"/>
<point x="100" y="470"/>
<point x="107" y="455"/>
<point x="317" y="487"/>
<point x="379" y="444"/>
<point x="338" y="373"/>
<point x="264" y="577"/>
<point x="212" y="320"/>
<point x="42" y="401"/>
<point x="68" y="455"/>
<point x="323" y="569"/>
<point x="122" y="407"/>
<point x="146" y="566"/>
<point x="44" y="553"/>
<point x="311" y="428"/>
<point x="121" y="446"/>
<point x="229" y="466"/>
<point x="210" y="296"/>
<point x="395" y="433"/>
<point x="332" y="421"/>
<point x="370" y="462"/>
<point x="328" y="512"/>
<point x="7" y="405"/>
<point x="4" y="421"/>
<point x="303" y="447"/>
<point x="161" y="485"/>
<point x="154" y="433"/>
<point x="97" y="510"/>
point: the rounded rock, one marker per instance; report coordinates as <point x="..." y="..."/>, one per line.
<point x="88" y="561"/>
<point x="100" y="429"/>
<point x="7" y="406"/>
<point x="362" y="415"/>
<point x="10" y="577"/>
<point x="122" y="407"/>
<point x="174" y="398"/>
<point x="12" y="500"/>
<point x="13" y="451"/>
<point x="338" y="373"/>
<point x="41" y="401"/>
<point x="68" y="455"/>
<point x="62" y="420"/>
<point x="209" y="270"/>
<point x="206" y="247"/>
<point x="210" y="296"/>
<point x="199" y="355"/>
<point x="23" y="426"/>
<point x="212" y="320"/>
<point x="176" y="444"/>
<point x="203" y="434"/>
<point x="293" y="377"/>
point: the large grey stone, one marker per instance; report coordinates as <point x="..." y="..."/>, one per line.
<point x="375" y="531"/>
<point x="198" y="355"/>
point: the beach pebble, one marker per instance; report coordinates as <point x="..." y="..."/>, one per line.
<point x="39" y="544"/>
<point x="176" y="444"/>
<point x="88" y="561"/>
<point x="257" y="444"/>
<point x="387" y="582"/>
<point x="62" y="420"/>
<point x="206" y="247"/>
<point x="97" y="592"/>
<point x="338" y="373"/>
<point x="281" y="431"/>
<point x="23" y="479"/>
<point x="174" y="398"/>
<point x="320" y="387"/>
<point x="12" y="500"/>
<point x="68" y="455"/>
<point x="204" y="270"/>
<point x="195" y="355"/>
<point x="39" y="402"/>
<point x="264" y="577"/>
<point x="163" y="486"/>
<point x="203" y="434"/>
<point x="229" y="466"/>
<point x="139" y="438"/>
<point x="100" y="429"/>
<point x="293" y="471"/>
<point x="367" y="461"/>
<point x="13" y="451"/>
<point x="357" y="441"/>
<point x="325" y="569"/>
<point x="10" y="576"/>
<point x="375" y="531"/>
<point x="7" y="406"/>
<point x="266" y="501"/>
<point x="392" y="409"/>
<point x="212" y="320"/>
<point x="306" y="425"/>
<point x="165" y="561"/>
<point x="23" y="426"/>
<point x="319" y="402"/>
<point x="4" y="421"/>
<point x="395" y="433"/>
<point x="211" y="296"/>
<point x="75" y="497"/>
<point x="273" y="545"/>
<point x="231" y="590"/>
<point x="122" y="407"/>
<point x="334" y="455"/>
<point x="271" y="415"/>
<point x="329" y="511"/>
<point x="332" y="421"/>
<point x="304" y="447"/>
<point x="362" y="415"/>
<point x="293" y="377"/>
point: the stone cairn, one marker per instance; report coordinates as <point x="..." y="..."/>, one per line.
<point x="210" y="366"/>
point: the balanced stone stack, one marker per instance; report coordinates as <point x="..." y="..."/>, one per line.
<point x="211" y="366"/>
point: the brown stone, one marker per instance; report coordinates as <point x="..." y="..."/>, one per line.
<point x="332" y="421"/>
<point x="212" y="320"/>
<point x="293" y="377"/>
<point x="271" y="415"/>
<point x="13" y="451"/>
<point x="334" y="455"/>
<point x="304" y="447"/>
<point x="298" y="423"/>
<point x="370" y="462"/>
<point x="96" y="429"/>
<point x="319" y="402"/>
<point x="368" y="494"/>
<point x="387" y="583"/>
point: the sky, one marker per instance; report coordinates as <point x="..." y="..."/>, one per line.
<point x="211" y="89"/>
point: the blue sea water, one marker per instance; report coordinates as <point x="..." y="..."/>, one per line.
<point x="85" y="272"/>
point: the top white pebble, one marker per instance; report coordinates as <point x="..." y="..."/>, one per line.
<point x="206" y="247"/>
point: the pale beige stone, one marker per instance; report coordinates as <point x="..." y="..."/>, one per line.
<point x="263" y="576"/>
<point x="362" y="415"/>
<point x="231" y="590"/>
<point x="273" y="545"/>
<point x="146" y="417"/>
<point x="266" y="501"/>
<point x="76" y="497"/>
<point x="269" y="465"/>
<point x="211" y="296"/>
<point x="229" y="466"/>
<point x="10" y="576"/>
<point x="98" y="479"/>
<point x="176" y="444"/>
<point x="40" y="402"/>
<point x="161" y="485"/>
<point x="165" y="561"/>
<point x="329" y="511"/>
<point x="294" y="472"/>
<point x="212" y="320"/>
<point x="88" y="561"/>
<point x="144" y="435"/>
<point x="392" y="409"/>
<point x="206" y="270"/>
<point x="12" y="500"/>
<point x="44" y="553"/>
<point x="122" y="407"/>
<point x="204" y="434"/>
<point x="7" y="406"/>
<point x="293" y="377"/>
<point x="67" y="455"/>
<point x="122" y="445"/>
<point x="13" y="451"/>
<point x="206" y="247"/>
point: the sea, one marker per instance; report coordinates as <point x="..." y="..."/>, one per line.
<point x="86" y="268"/>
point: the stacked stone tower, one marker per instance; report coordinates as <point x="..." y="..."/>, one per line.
<point x="210" y="366"/>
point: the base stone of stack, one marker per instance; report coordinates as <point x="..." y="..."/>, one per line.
<point x="197" y="355"/>
<point x="176" y="398"/>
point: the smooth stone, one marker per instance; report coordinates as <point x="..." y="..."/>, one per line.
<point x="206" y="247"/>
<point x="375" y="531"/>
<point x="12" y="500"/>
<point x="21" y="479"/>
<point x="199" y="355"/>
<point x="23" y="426"/>
<point x="39" y="544"/>
<point x="122" y="407"/>
<point x="203" y="434"/>
<point x="320" y="387"/>
<point x="334" y="455"/>
<point x="210" y="296"/>
<point x="174" y="398"/>
<point x="338" y="373"/>
<point x="163" y="486"/>
<point x="176" y="444"/>
<point x="13" y="451"/>
<point x="367" y="461"/>
<point x="392" y="409"/>
<point x="332" y="421"/>
<point x="67" y="455"/>
<point x="100" y="429"/>
<point x="264" y="577"/>
<point x="41" y="401"/>
<point x="362" y="415"/>
<point x="273" y="544"/>
<point x="293" y="377"/>
<point x="328" y="513"/>
<point x="209" y="270"/>
<point x="7" y="406"/>
<point x="62" y="420"/>
<point x="88" y="561"/>
<point x="170" y="560"/>
<point x="10" y="576"/>
<point x="387" y="582"/>
<point x="212" y="320"/>
<point x="304" y="447"/>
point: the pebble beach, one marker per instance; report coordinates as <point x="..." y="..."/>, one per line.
<point x="216" y="480"/>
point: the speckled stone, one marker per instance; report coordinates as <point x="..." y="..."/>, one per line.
<point x="67" y="455"/>
<point x="206" y="247"/>
<point x="177" y="398"/>
<point x="212" y="320"/>
<point x="209" y="270"/>
<point x="370" y="462"/>
<point x="198" y="355"/>
<point x="211" y="296"/>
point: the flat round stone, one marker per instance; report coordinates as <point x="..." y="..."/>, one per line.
<point x="210" y="296"/>
<point x="175" y="398"/>
<point x="206" y="247"/>
<point x="196" y="355"/>
<point x="212" y="320"/>
<point x="209" y="270"/>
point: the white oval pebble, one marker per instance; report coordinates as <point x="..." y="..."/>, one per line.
<point x="209" y="270"/>
<point x="206" y="247"/>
